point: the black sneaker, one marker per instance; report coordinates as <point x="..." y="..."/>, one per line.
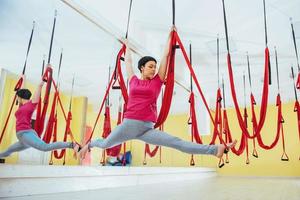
<point x="2" y="160"/>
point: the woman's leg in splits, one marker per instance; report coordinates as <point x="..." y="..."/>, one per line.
<point x="129" y="129"/>
<point x="16" y="147"/>
<point x="30" y="138"/>
<point x="161" y="138"/>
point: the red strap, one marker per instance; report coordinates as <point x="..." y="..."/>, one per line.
<point x="246" y="139"/>
<point x="284" y="156"/>
<point x="297" y="109"/>
<point x="217" y="120"/>
<point x="254" y="123"/>
<point x="52" y="120"/>
<point x="7" y="118"/>
<point x="194" y="128"/>
<point x="169" y="84"/>
<point x="113" y="151"/>
<point x="197" y="84"/>
<point x="38" y="116"/>
<point x="19" y="84"/>
<point x="67" y="131"/>
<point x="64" y="113"/>
<point x="102" y="104"/>
<point x="106" y="125"/>
<point x="17" y="87"/>
<point x="39" y="124"/>
<point x="298" y="81"/>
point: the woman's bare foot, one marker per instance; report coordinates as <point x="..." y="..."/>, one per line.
<point x="221" y="148"/>
<point x="75" y="149"/>
<point x="83" y="151"/>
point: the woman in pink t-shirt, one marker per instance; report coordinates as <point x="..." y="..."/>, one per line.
<point x="141" y="112"/>
<point x="26" y="135"/>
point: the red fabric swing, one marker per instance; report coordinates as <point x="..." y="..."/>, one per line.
<point x="153" y="152"/>
<point x="62" y="153"/>
<point x="113" y="151"/>
<point x="264" y="103"/>
<point x="40" y="120"/>
<point x="280" y="121"/>
<point x="52" y="121"/>
<point x="254" y="123"/>
<point x="51" y="130"/>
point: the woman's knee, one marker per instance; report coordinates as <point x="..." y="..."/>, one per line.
<point x="42" y="147"/>
<point x="101" y="143"/>
<point x="178" y="144"/>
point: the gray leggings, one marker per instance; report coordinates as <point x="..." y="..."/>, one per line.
<point x="136" y="129"/>
<point x="29" y="138"/>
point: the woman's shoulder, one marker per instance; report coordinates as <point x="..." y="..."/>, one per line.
<point x="133" y="78"/>
<point x="157" y="78"/>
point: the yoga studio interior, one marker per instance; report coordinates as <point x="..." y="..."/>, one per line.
<point x="150" y="99"/>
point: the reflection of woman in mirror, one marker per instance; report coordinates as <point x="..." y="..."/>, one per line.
<point x="26" y="135"/>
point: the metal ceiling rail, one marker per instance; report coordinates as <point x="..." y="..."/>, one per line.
<point x="111" y="30"/>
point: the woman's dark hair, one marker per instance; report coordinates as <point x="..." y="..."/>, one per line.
<point x="24" y="93"/>
<point x="142" y="62"/>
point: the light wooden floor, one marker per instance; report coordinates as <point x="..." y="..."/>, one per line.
<point x="217" y="188"/>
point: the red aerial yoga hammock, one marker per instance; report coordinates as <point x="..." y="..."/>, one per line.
<point x="267" y="79"/>
<point x="113" y="151"/>
<point x="18" y="85"/>
<point x="66" y="133"/>
<point x="177" y="40"/>
<point x="68" y="118"/>
<point x="42" y="109"/>
<point x="280" y="122"/>
<point x="54" y="134"/>
<point x="51" y="131"/>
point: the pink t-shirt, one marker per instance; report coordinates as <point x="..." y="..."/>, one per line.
<point x="23" y="116"/>
<point x="142" y="99"/>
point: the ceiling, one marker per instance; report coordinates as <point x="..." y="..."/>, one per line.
<point x="88" y="50"/>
